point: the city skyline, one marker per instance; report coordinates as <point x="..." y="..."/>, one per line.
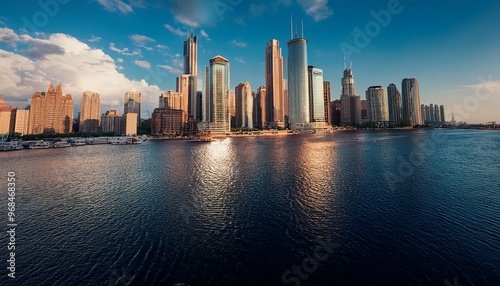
<point x="147" y="59"/>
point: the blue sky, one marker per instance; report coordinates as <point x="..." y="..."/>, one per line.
<point x="110" y="46"/>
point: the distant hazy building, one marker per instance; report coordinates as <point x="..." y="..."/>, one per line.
<point x="90" y="112"/>
<point x="129" y="124"/>
<point x="377" y="106"/>
<point x="349" y="101"/>
<point x="336" y="110"/>
<point x="364" y="111"/>
<point x="298" y="84"/>
<point x="327" y="101"/>
<point x="132" y="104"/>
<point x="51" y="112"/>
<point x="111" y="122"/>
<point x="244" y="105"/>
<point x="316" y="97"/>
<point x="411" y="102"/>
<point x="394" y="101"/>
<point x="217" y="118"/>
<point x="275" y="87"/>
<point x="437" y="114"/>
<point x="167" y="121"/>
<point x="441" y="110"/>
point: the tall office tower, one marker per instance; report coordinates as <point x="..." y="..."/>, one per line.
<point x="111" y="121"/>
<point x="350" y="103"/>
<point x="90" y="112"/>
<point x="437" y="114"/>
<point x="182" y="87"/>
<point x="51" y="112"/>
<point x="377" y="105"/>
<point x="433" y="114"/>
<point x="191" y="72"/>
<point x="217" y="115"/>
<point x="394" y="99"/>
<point x="427" y="114"/>
<point x="206" y="104"/>
<point x="326" y="102"/>
<point x="244" y="105"/>
<point x="260" y="115"/>
<point x="298" y="84"/>
<point x="132" y="104"/>
<point x="274" y="85"/>
<point x="316" y="96"/>
<point x="411" y="102"/>
<point x="171" y="100"/>
<point x="441" y="110"/>
<point x="21" y="124"/>
<point x="425" y="119"/>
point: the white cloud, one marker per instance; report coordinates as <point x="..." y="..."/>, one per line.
<point x="125" y="51"/>
<point x="141" y="40"/>
<point x="257" y="9"/>
<point x="318" y="9"/>
<point x="142" y="64"/>
<point x="78" y="67"/>
<point x="8" y="36"/>
<point x="162" y="47"/>
<point x="186" y="20"/>
<point x="205" y="35"/>
<point x="120" y="60"/>
<point x="239" y="44"/>
<point x="172" y="70"/>
<point x="176" y="31"/>
<point x="116" y="5"/>
<point x="241" y="60"/>
<point x="94" y="39"/>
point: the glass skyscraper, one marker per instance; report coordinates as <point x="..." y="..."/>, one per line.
<point x="217" y="118"/>
<point x="316" y="95"/>
<point x="298" y="84"/>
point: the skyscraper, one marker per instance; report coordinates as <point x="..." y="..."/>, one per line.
<point x="217" y="117"/>
<point x="244" y="105"/>
<point x="350" y="103"/>
<point x="274" y="84"/>
<point x="90" y="111"/>
<point x="377" y="106"/>
<point x="394" y="100"/>
<point x="316" y="97"/>
<point x="191" y="71"/>
<point x="298" y="84"/>
<point x="171" y="100"/>
<point x="260" y="115"/>
<point x="111" y="121"/>
<point x="441" y="109"/>
<point x="51" y="112"/>
<point x="411" y="102"/>
<point x="21" y="124"/>
<point x="132" y="104"/>
<point x="327" y="99"/>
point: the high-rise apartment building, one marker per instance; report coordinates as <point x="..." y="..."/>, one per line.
<point x="377" y="106"/>
<point x="244" y="106"/>
<point x="394" y="100"/>
<point x="132" y="104"/>
<point x="129" y="124"/>
<point x="411" y="102"/>
<point x="21" y="124"/>
<point x="111" y="122"/>
<point x="441" y="110"/>
<point x="316" y="97"/>
<point x="217" y="117"/>
<point x="51" y="112"/>
<point x="260" y="110"/>
<point x="90" y="112"/>
<point x="275" y="87"/>
<point x="171" y="100"/>
<point x="298" y="84"/>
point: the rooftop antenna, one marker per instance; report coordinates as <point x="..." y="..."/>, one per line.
<point x="291" y="27"/>
<point x="302" y="29"/>
<point x="345" y="65"/>
<point x="296" y="31"/>
<point x="350" y="66"/>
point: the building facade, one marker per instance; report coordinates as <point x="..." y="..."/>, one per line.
<point x="166" y="121"/>
<point x="298" y="84"/>
<point x="327" y="98"/>
<point x="316" y="97"/>
<point x="275" y="87"/>
<point x="191" y="73"/>
<point x="411" y="112"/>
<point x="129" y="124"/>
<point x="51" y="112"/>
<point x="111" y="122"/>
<point x="377" y="106"/>
<point x="244" y="106"/>
<point x="350" y="102"/>
<point x="90" y="112"/>
<point x="394" y="101"/>
<point x="132" y="104"/>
